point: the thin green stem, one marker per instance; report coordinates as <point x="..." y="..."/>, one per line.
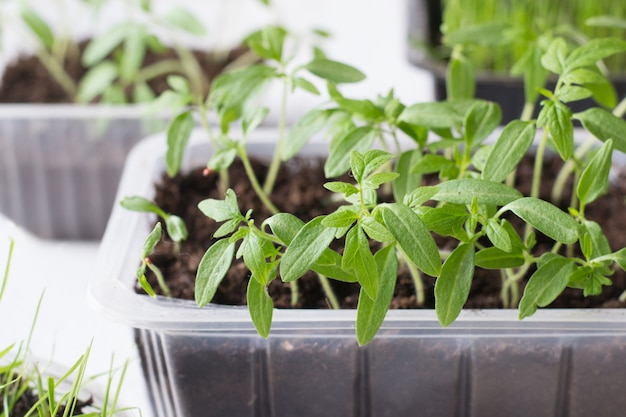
<point x="241" y="150"/>
<point x="416" y="278"/>
<point x="620" y="109"/>
<point x="272" y="173"/>
<point x="527" y="112"/>
<point x="568" y="168"/>
<point x="167" y="66"/>
<point x="332" y="298"/>
<point x="160" y="279"/>
<point x="5" y="278"/>
<point x="294" y="293"/>
<point x="55" y="68"/>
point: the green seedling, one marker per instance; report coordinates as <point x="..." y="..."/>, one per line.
<point x="174" y="225"/>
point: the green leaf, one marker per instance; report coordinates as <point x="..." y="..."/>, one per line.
<point x="151" y="241"/>
<point x="583" y="76"/>
<point x="593" y="51"/>
<point x="460" y="78"/>
<point x="407" y="181"/>
<point x="453" y="285"/>
<point x="334" y="71"/>
<point x="436" y="115"/>
<point x="463" y="191"/>
<point x="358" y="258"/>
<point x="96" y="81"/>
<point x="494" y="258"/>
<point x="178" y="83"/>
<point x="546" y="218"/>
<point x="176" y="228"/>
<point x="556" y="116"/>
<point x="178" y="134"/>
<point x="310" y="124"/>
<point x="607" y="21"/>
<point x="99" y="47"/>
<point x="509" y="149"/>
<point x="39" y="27"/>
<point x="413" y="237"/>
<point x="371" y="312"/>
<point x="554" y="58"/>
<point x="252" y="118"/>
<point x="255" y="250"/>
<point x="492" y="33"/>
<point x="599" y="241"/>
<point x="274" y="38"/>
<point x="447" y="220"/>
<point x="222" y="159"/>
<point x="604" y="125"/>
<point x="134" y="52"/>
<point x="498" y="235"/>
<point x="376" y="180"/>
<point x="285" y="226"/>
<point x="338" y="162"/>
<point x="141" y="204"/>
<point x="221" y="210"/>
<point x="344" y="216"/>
<point x="212" y="270"/>
<point x="304" y="84"/>
<point x="184" y="20"/>
<point x="329" y="265"/>
<point x="305" y="249"/>
<point x="480" y="121"/>
<point x="545" y="285"/>
<point x="375" y="230"/>
<point x="569" y="93"/>
<point x="260" y="306"/>
<point x="433" y="163"/>
<point x="594" y="180"/>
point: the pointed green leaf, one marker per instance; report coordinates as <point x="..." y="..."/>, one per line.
<point x="96" y="81"/>
<point x="599" y="241"/>
<point x="593" y="51"/>
<point x="554" y="58"/>
<point x="480" y="121"/>
<point x="413" y="237"/>
<point x="371" y="312"/>
<point x="547" y="283"/>
<point x="604" y="126"/>
<point x="260" y="306"/>
<point x="436" y="115"/>
<point x="375" y="230"/>
<point x="178" y="134"/>
<point x="498" y="236"/>
<point x="556" y="116"/>
<point x="594" y="180"/>
<point x="464" y="191"/>
<point x="344" y="216"/>
<point x="357" y="256"/>
<point x="102" y="45"/>
<point x="453" y="285"/>
<point x="571" y="93"/>
<point x="494" y="258"/>
<point x="255" y="250"/>
<point x="141" y="204"/>
<point x="303" y="83"/>
<point x="176" y="228"/>
<point x="334" y="71"/>
<point x="151" y="241"/>
<point x="39" y="27"/>
<point x="212" y="270"/>
<point x="509" y="149"/>
<point x="547" y="218"/>
<point x="134" y="52"/>
<point x="305" y="249"/>
<point x="460" y="78"/>
<point x="221" y="210"/>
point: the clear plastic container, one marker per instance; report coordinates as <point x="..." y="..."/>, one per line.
<point x="60" y="165"/>
<point x="210" y="361"/>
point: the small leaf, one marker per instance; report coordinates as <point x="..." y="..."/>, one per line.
<point x="39" y="27"/>
<point x="178" y="83"/>
<point x="494" y="258"/>
<point x="96" y="81"/>
<point x="253" y="118"/>
<point x="492" y="33"/>
<point x="99" y="47"/>
<point x="599" y="241"/>
<point x="176" y="228"/>
<point x="222" y="159"/>
<point x="310" y="124"/>
<point x="371" y="312"/>
<point x="554" y="58"/>
<point x="260" y="306"/>
<point x="498" y="236"/>
<point x="184" y="20"/>
<point x="305" y="249"/>
<point x="509" y="149"/>
<point x="556" y="116"/>
<point x="480" y="121"/>
<point x="134" y="52"/>
<point x="545" y="285"/>
<point x="464" y="191"/>
<point x="303" y="83"/>
<point x="341" y="187"/>
<point x="546" y="218"/>
<point x="433" y="163"/>
<point x="593" y="51"/>
<point x="178" y="134"/>
<point x="594" y="180"/>
<point x="212" y="269"/>
<point x="460" y="78"/>
<point x="358" y="257"/>
<point x="221" y="210"/>
<point x="447" y="220"/>
<point x="604" y="125"/>
<point x="342" y="217"/>
<point x="338" y="162"/>
<point x="151" y="241"/>
<point x="255" y="250"/>
<point x="284" y="226"/>
<point x="453" y="285"/>
<point x="413" y="237"/>
<point x="571" y="93"/>
<point x="375" y="230"/>
<point x="334" y="71"/>
<point x="141" y="204"/>
<point x="436" y="115"/>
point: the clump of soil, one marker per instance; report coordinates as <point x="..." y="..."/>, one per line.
<point x="27" y="80"/>
<point x="301" y="193"/>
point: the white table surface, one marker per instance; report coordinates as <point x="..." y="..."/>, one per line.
<point x="369" y="34"/>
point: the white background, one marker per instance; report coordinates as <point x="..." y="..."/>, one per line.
<point x="369" y="34"/>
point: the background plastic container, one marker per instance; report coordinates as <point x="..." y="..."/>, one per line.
<point x="60" y="165"/>
<point x="210" y="361"/>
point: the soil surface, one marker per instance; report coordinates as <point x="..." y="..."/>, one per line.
<point x="29" y="399"/>
<point x="300" y="192"/>
<point x="26" y="80"/>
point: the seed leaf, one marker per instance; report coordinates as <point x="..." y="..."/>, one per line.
<point x="509" y="149"/>
<point x="453" y="285"/>
<point x="176" y="228"/>
<point x="141" y="204"/>
<point x="413" y="237"/>
<point x="371" y="312"/>
<point x="305" y="249"/>
<point x="545" y="285"/>
<point x="464" y="191"/>
<point x="334" y="71"/>
<point x="594" y="180"/>
<point x="151" y="241"/>
<point x="178" y="134"/>
<point x="358" y="258"/>
<point x="212" y="269"/>
<point x="546" y="218"/>
<point x="260" y="306"/>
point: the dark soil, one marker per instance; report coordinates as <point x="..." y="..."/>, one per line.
<point x="300" y="193"/>
<point x="26" y="80"/>
<point x="29" y="399"/>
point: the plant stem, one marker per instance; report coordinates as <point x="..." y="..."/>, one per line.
<point x="294" y="292"/>
<point x="568" y="168"/>
<point x="166" y="66"/>
<point x="241" y="150"/>
<point x="541" y="149"/>
<point x="224" y="179"/>
<point x="416" y="278"/>
<point x="276" y="159"/>
<point x="58" y="72"/>
<point x="620" y="109"/>
<point x="527" y="112"/>
<point x="332" y="298"/>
